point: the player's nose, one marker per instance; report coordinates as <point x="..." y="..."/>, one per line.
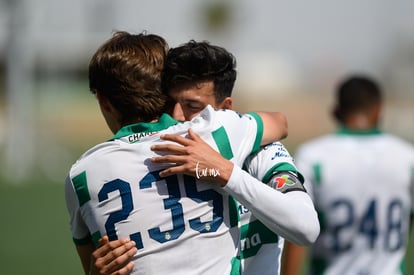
<point x="178" y="113"/>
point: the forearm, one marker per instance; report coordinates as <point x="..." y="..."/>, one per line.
<point x="293" y="259"/>
<point x="85" y="252"/>
<point x="275" y="126"/>
<point x="290" y="215"/>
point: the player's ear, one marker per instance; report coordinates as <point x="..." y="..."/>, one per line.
<point x="227" y="103"/>
<point x="376" y="113"/>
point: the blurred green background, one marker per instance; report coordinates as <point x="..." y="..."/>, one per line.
<point x="35" y="237"/>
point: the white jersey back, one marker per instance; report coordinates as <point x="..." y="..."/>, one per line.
<point x="181" y="225"/>
<point x="363" y="191"/>
<point x="261" y="249"/>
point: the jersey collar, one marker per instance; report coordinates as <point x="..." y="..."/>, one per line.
<point x="164" y="122"/>
<point x="368" y="132"/>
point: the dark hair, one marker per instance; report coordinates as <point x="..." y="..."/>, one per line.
<point x="195" y="62"/>
<point x="127" y="70"/>
<point x="356" y="93"/>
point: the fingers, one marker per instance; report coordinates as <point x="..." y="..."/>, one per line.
<point x="182" y="164"/>
<point x="123" y="262"/>
<point x="104" y="246"/>
<point x="183" y="157"/>
<point x="193" y="135"/>
<point x="114" y="256"/>
<point x="182" y="169"/>
<point x="176" y="138"/>
<point x="170" y="159"/>
<point x="171" y="148"/>
<point x="125" y="270"/>
<point x="103" y="240"/>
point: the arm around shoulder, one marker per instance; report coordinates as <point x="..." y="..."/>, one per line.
<point x="275" y="126"/>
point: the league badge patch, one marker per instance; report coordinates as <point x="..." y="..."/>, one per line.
<point x="282" y="181"/>
<point x="285" y="182"/>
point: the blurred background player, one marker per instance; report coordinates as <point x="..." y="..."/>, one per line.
<point x="362" y="184"/>
<point x="197" y="74"/>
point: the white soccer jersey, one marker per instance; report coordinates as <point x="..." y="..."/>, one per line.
<point x="362" y="187"/>
<point x="180" y="225"/>
<point x="261" y="248"/>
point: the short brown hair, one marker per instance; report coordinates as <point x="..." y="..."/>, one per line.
<point x="127" y="70"/>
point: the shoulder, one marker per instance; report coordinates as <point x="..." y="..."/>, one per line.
<point x="230" y="120"/>
<point x="222" y="116"/>
<point x="100" y="149"/>
<point x="225" y="114"/>
<point x="95" y="153"/>
<point x="396" y="143"/>
<point x="317" y="143"/>
<point x="275" y="150"/>
<point x="271" y="158"/>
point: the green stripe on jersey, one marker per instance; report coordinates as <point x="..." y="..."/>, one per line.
<point x="96" y="237"/>
<point x="259" y="134"/>
<point x="235" y="266"/>
<point x="164" y="122"/>
<point x="280" y="167"/>
<point x="83" y="241"/>
<point x="317" y="176"/>
<point x="403" y="266"/>
<point x="223" y="143"/>
<point x="369" y="132"/>
<point x="253" y="236"/>
<point x="81" y="188"/>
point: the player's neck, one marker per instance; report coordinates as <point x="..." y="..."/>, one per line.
<point x="361" y="122"/>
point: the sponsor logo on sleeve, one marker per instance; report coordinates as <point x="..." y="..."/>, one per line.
<point x="285" y="182"/>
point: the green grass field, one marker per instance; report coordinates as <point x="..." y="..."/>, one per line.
<point x="35" y="237"/>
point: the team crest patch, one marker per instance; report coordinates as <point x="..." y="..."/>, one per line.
<point x="286" y="181"/>
<point x="282" y="181"/>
